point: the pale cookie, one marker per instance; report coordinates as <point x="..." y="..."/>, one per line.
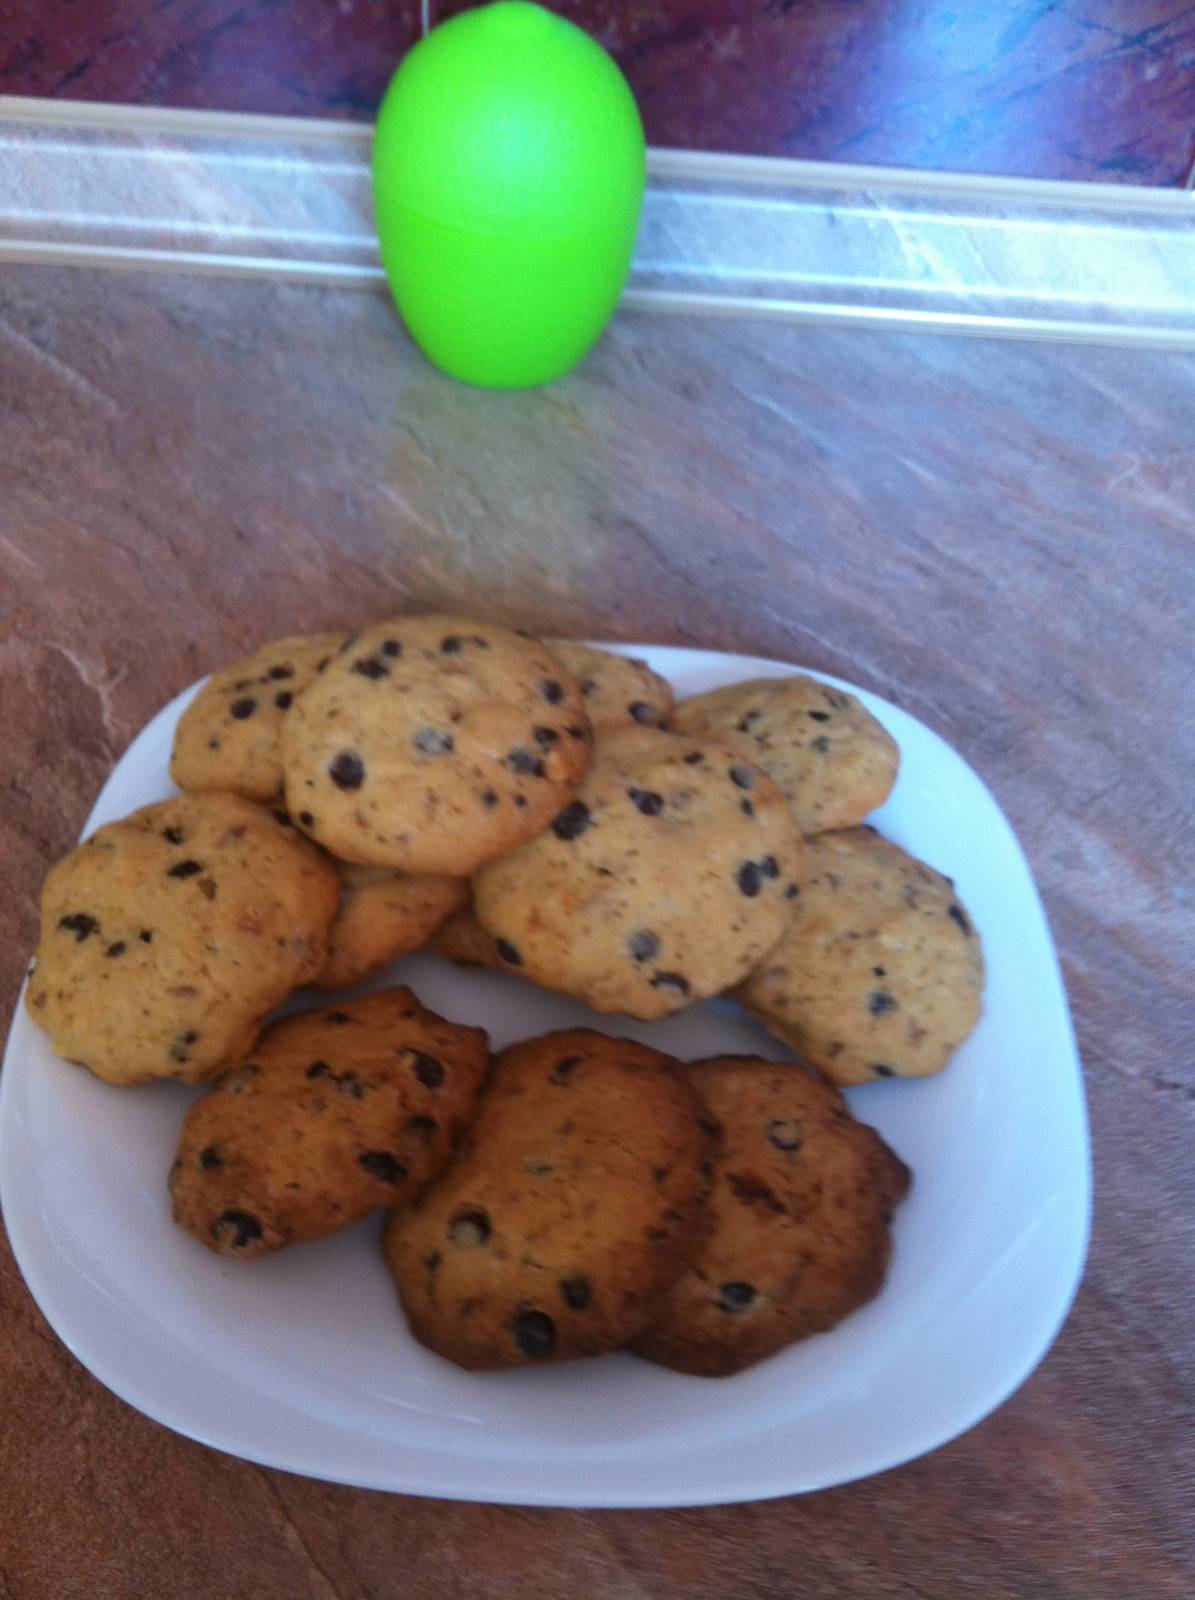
<point x="228" y="737"/>
<point x="799" y="1220"/>
<point x="384" y="915"/>
<point x="880" y="973"/>
<point x="619" y="691"/>
<point x="667" y="879"/>
<point x="831" y="757"/>
<point x="167" y="937"/>
<point x="432" y="744"/>
<point x="576" y="1201"/>
<point x="339" y="1113"/>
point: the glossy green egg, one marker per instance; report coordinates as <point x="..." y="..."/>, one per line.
<point x="508" y="176"/>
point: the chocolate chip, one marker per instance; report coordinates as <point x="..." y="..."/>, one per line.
<point x="821" y="744"/>
<point x="735" y="1296"/>
<point x="180" y="1044"/>
<point x="882" y="1071"/>
<point x="236" y="1228"/>
<point x="521" y="800"/>
<point x="391" y="648"/>
<point x="957" y="914"/>
<point x="659" y="1174"/>
<point x="693" y="758"/>
<point x="424" y="1125"/>
<point x="283" y="821"/>
<point x="573" y="821"/>
<point x="524" y="761"/>
<point x="647" y="801"/>
<point x="213" y="744"/>
<point x="783" y="1134"/>
<point x="770" y="867"/>
<point x="428" y="1070"/>
<point x="563" y="1068"/>
<point x="320" y="665"/>
<point x="745" y="721"/>
<point x="208" y="887"/>
<point x="508" y="952"/>
<point x="577" y="1293"/>
<point x="283" y="699"/>
<point x="241" y="709"/>
<point x="576" y="732"/>
<point x="382" y="1165"/>
<point x="489" y="799"/>
<point x="552" y="692"/>
<point x="586" y="686"/>
<point x="451" y="645"/>
<point x="173" y="835"/>
<point x="670" y="980"/>
<point x="78" y="923"/>
<point x="546" y="737"/>
<point x="433" y="1261"/>
<point x="184" y="869"/>
<point x="241" y="683"/>
<point x="746" y="808"/>
<point x="337" y="1019"/>
<point x="209" y="1158"/>
<point x="743" y="777"/>
<point x="469" y="1230"/>
<point x="791" y="892"/>
<point x="280" y="672"/>
<point x="642" y="712"/>
<point x="317" y="1069"/>
<point x="117" y="949"/>
<point x="306" y="819"/>
<point x="820" y="716"/>
<point x="644" y="944"/>
<point x="535" y="1333"/>
<point x="880" y="1001"/>
<point x="347" y="770"/>
<point x="433" y="742"/>
<point x="879" y="972"/>
<point x="349" y="1085"/>
<point x="749" y="879"/>
<point x="146" y="936"/>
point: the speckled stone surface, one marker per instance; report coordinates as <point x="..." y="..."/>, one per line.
<point x="997" y="536"/>
<point x="1103" y="89"/>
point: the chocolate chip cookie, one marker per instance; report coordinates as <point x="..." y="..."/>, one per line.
<point x="799" y="1220"/>
<point x="576" y="1201"/>
<point x="619" y="691"/>
<point x="666" y="880"/>
<point x="338" y="1113"/>
<point x="383" y="916"/>
<point x="432" y="744"/>
<point x="831" y="757"/>
<point x="167" y="937"/>
<point x="228" y="737"/>
<point x="880" y="973"/>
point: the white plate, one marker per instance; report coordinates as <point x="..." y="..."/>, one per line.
<point x="302" y="1360"/>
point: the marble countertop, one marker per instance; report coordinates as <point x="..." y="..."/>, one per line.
<point x="997" y="536"/>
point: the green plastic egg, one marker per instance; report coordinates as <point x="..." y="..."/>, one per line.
<point x="508" y="176"/>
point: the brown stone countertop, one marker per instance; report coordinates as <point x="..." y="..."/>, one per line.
<point x="998" y="536"/>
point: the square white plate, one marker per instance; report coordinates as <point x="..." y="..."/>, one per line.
<point x="302" y="1361"/>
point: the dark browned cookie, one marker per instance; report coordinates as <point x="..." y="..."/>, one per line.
<point x="800" y="1210"/>
<point x="432" y="744"/>
<point x="576" y="1201"/>
<point x="338" y="1113"/>
<point x="167" y="937"/>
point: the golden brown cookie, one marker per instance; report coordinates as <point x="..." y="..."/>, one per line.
<point x="619" y="691"/>
<point x="432" y="744"/>
<point x="338" y="1113"/>
<point x="576" y="1200"/>
<point x="799" y="1220"/>
<point x="384" y="915"/>
<point x="228" y="737"/>
<point x="666" y="880"/>
<point x="831" y="757"/>
<point x="880" y="973"/>
<point x="462" y="939"/>
<point x="167" y="937"/>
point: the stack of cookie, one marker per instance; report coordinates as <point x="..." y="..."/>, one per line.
<point x="544" y="809"/>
